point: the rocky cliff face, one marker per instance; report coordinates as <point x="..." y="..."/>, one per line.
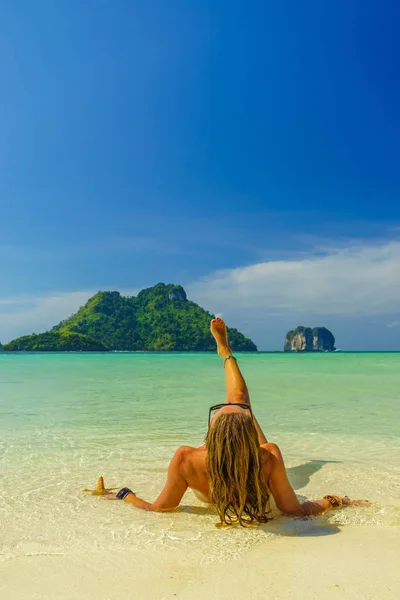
<point x="299" y="340"/>
<point x="305" y="339"/>
<point x="323" y="340"/>
<point x="177" y="294"/>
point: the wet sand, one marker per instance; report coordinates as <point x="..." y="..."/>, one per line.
<point x="354" y="563"/>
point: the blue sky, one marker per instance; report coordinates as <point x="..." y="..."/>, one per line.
<point x="247" y="150"/>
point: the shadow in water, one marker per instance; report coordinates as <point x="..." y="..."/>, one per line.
<point x="288" y="526"/>
<point x="299" y="476"/>
<point x="300" y="527"/>
<point x="279" y="525"/>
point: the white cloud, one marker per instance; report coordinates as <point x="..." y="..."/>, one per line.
<point x="34" y="315"/>
<point x="356" y="281"/>
<point x="393" y="324"/>
<point x="23" y="315"/>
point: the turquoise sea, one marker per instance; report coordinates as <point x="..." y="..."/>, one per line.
<point x="65" y="419"/>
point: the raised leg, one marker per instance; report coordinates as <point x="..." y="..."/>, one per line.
<point x="236" y="388"/>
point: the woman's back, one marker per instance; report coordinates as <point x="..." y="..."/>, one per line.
<point x="194" y="469"/>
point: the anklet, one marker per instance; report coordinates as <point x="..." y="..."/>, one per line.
<point x="228" y="357"/>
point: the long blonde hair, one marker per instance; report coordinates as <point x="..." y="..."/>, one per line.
<point x="234" y="462"/>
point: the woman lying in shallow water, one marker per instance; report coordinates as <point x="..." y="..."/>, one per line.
<point x="236" y="469"/>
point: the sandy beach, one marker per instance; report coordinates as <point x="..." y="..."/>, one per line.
<point x="354" y="563"/>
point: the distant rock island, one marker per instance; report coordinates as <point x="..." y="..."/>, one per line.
<point x="158" y="318"/>
<point x="305" y="339"/>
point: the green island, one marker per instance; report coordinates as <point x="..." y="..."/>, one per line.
<point x="51" y="341"/>
<point x="160" y="318"/>
<point x="305" y="339"/>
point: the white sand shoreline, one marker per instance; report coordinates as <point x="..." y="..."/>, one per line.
<point x="360" y="562"/>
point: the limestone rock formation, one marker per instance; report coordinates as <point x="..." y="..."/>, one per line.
<point x="305" y="339"/>
<point x="177" y="294"/>
<point x="323" y="340"/>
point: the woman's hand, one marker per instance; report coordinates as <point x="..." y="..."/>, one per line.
<point x="110" y="496"/>
<point x="347" y="502"/>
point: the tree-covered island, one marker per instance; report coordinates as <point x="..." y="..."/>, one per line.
<point x="158" y="318"/>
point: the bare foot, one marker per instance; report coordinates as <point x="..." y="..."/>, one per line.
<point x="218" y="330"/>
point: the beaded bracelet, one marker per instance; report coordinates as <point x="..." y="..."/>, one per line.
<point x="334" y="501"/>
<point x="123" y="493"/>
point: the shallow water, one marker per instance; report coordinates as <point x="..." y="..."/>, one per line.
<point x="67" y="418"/>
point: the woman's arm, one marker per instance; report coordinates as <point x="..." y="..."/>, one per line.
<point x="285" y="497"/>
<point x="174" y="488"/>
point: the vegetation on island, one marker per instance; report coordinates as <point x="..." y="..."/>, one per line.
<point x="305" y="339"/>
<point x="158" y="318"/>
<point x="53" y="341"/>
